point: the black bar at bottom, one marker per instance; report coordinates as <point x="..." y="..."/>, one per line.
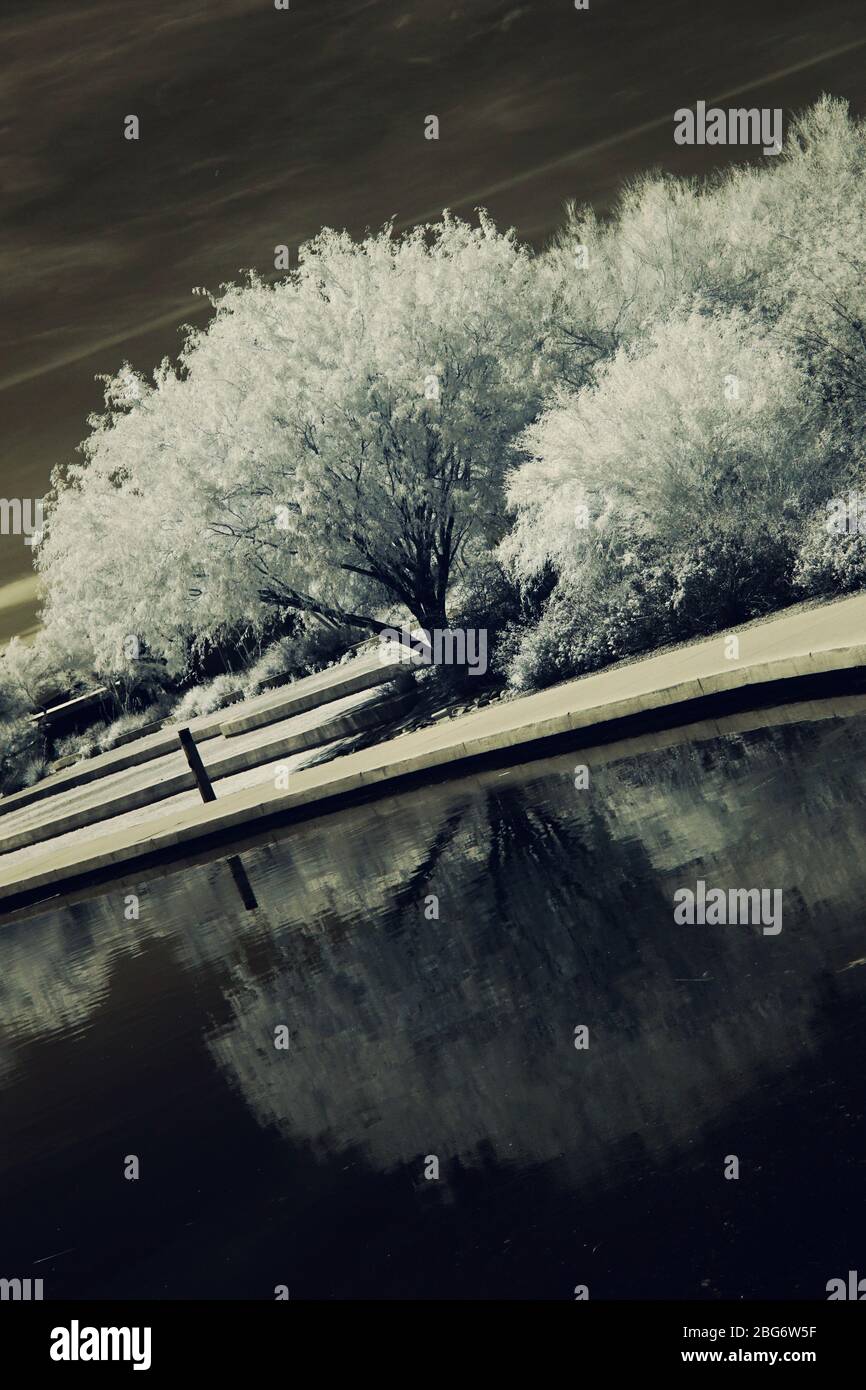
<point x="223" y="1339"/>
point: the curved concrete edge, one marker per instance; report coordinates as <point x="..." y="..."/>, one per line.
<point x="349" y="775"/>
<point x="823" y="708"/>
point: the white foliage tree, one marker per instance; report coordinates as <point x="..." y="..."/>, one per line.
<point x="758" y="275"/>
<point x="329" y="444"/>
<point x="708" y="421"/>
<point x="784" y="239"/>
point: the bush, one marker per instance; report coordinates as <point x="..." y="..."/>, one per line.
<point x="22" y="754"/>
<point x="829" y="562"/>
<point x="632" y="596"/>
<point x="128" y="723"/>
<point x="310" y="648"/>
<point x="618" y="604"/>
<point x="728" y="573"/>
<point x="80" y="745"/>
<point x="205" y="699"/>
<point x="490" y="601"/>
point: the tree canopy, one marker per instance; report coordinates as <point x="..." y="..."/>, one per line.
<point x="682" y="381"/>
<point x="331" y="443"/>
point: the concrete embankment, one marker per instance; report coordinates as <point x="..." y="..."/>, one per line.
<point x="367" y="671"/>
<point x="796" y="652"/>
<point x="159" y="779"/>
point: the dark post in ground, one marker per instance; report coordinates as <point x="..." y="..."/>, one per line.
<point x="199" y="772"/>
<point x="203" y="782"/>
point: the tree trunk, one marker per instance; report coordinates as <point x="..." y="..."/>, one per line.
<point x="432" y="618"/>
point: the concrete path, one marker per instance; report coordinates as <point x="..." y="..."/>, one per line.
<point x="786" y="648"/>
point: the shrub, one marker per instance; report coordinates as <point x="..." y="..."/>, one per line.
<point x="22" y="754"/>
<point x="631" y="596"/>
<point x="80" y="745"/>
<point x="619" y="603"/>
<point x="726" y="573"/>
<point x="205" y="699"/>
<point x="313" y="646"/>
<point x="829" y="562"/>
<point x="490" y="601"/>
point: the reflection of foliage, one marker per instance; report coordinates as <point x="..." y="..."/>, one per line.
<point x="418" y="882"/>
<point x="526" y="837"/>
<point x="47" y="981"/>
<point x="555" y="865"/>
<point x="556" y="910"/>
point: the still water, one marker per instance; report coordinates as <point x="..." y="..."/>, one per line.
<point x="413" y="1037"/>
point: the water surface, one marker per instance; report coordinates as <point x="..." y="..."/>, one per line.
<point x="412" y="1036"/>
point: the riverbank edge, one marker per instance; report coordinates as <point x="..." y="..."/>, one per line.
<point x="336" y="784"/>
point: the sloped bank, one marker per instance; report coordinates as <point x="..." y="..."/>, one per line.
<point x="793" y="656"/>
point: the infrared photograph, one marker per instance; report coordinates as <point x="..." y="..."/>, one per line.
<point x="432" y="675"/>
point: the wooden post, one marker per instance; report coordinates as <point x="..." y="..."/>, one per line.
<point x="193" y="757"/>
<point x="203" y="782"/>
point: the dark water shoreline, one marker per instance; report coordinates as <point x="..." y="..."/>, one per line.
<point x="413" y="1036"/>
<point x="783" y="700"/>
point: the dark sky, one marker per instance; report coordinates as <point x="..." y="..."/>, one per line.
<point x="258" y="126"/>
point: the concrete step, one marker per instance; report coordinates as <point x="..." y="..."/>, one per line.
<point x="169" y="775"/>
<point x="119" y="759"/>
<point x="372" y="669"/>
<point x="363" y="672"/>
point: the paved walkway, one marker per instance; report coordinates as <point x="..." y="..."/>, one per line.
<point x="794" y="645"/>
